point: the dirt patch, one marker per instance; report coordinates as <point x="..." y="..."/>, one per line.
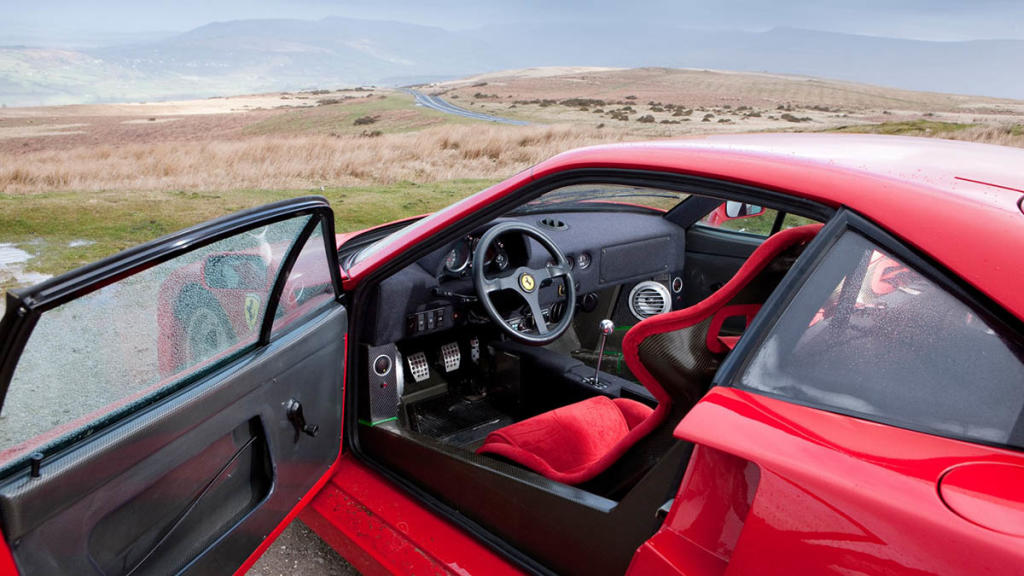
<point x="299" y="551"/>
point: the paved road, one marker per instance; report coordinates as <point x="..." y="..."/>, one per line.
<point x="442" y="105"/>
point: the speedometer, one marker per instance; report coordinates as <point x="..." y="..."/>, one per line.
<point x="458" y="258"/>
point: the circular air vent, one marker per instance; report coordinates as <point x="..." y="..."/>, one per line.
<point x="553" y="223"/>
<point x="648" y="299"/>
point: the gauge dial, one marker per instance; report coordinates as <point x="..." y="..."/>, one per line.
<point x="458" y="258"/>
<point x="496" y="257"/>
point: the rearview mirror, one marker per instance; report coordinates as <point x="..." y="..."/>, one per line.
<point x="735" y="210"/>
<point x="235" y="272"/>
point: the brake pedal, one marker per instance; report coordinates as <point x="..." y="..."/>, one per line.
<point x="451" y="356"/>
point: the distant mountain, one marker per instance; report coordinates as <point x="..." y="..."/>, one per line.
<point x="245" y="56"/>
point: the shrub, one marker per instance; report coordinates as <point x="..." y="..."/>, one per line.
<point x="583" y="102"/>
<point x="364" y="120"/>
<point x="648" y="119"/>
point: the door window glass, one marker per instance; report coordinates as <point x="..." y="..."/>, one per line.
<point x="101" y="354"/>
<point x="868" y="335"/>
<point x="309" y="286"/>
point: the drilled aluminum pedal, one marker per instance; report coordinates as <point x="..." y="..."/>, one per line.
<point x="418" y="366"/>
<point x="451" y="356"/>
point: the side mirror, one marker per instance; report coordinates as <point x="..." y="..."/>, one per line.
<point x="235" y="272"/>
<point x="736" y="210"/>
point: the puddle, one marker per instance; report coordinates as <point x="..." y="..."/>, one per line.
<point x="12" y="269"/>
<point x="80" y="243"/>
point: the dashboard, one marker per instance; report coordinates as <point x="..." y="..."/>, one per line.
<point x="605" y="248"/>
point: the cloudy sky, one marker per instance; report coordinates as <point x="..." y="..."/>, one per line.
<point x="85" y="22"/>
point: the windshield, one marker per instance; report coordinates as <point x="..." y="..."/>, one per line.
<point x="603" y="197"/>
<point x="588" y="197"/>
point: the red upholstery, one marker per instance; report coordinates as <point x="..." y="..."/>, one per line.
<point x="565" y="443"/>
<point x="575" y="443"/>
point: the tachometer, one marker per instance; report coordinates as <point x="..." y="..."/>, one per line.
<point x="458" y="258"/>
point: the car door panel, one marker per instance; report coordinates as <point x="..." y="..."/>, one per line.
<point x="191" y="473"/>
<point x="126" y="489"/>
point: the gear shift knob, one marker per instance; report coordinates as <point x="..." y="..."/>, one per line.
<point x="606" y="327"/>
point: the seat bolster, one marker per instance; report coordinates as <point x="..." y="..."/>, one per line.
<point x="634" y="412"/>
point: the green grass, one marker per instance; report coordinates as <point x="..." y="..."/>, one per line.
<point x="45" y="224"/>
<point x="906" y="128"/>
<point x="340" y="118"/>
<point x="762" y="225"/>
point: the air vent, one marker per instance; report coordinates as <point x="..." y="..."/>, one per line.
<point x="553" y="223"/>
<point x="648" y="299"/>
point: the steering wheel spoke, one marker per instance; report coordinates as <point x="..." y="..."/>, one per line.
<point x="533" y="301"/>
<point x="500" y="283"/>
<point x="552" y="272"/>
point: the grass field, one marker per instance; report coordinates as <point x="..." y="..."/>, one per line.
<point x="80" y="182"/>
<point x="65" y="230"/>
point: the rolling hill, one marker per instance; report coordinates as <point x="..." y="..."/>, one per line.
<point x="247" y="56"/>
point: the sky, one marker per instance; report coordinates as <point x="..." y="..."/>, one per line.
<point x="90" y="22"/>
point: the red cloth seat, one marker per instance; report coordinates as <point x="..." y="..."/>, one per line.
<point x="575" y="443"/>
<point x="565" y="443"/>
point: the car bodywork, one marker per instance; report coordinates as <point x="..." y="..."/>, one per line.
<point x="768" y="485"/>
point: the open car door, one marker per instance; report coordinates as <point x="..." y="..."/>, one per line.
<point x="167" y="409"/>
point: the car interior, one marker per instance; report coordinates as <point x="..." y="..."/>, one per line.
<point x="526" y="376"/>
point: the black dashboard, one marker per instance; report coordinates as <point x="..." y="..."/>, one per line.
<point x="606" y="249"/>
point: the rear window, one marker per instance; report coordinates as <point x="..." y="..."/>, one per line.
<point x="867" y="335"/>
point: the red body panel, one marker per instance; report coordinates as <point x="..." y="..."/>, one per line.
<point x="834" y="494"/>
<point x="382" y="530"/>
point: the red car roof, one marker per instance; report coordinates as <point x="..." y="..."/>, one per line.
<point x="955" y="201"/>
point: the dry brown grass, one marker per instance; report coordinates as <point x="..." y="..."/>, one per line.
<point x="1008" y="135"/>
<point x="299" y="162"/>
<point x="695" y="88"/>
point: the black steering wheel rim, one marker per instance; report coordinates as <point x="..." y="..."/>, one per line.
<point x="526" y="282"/>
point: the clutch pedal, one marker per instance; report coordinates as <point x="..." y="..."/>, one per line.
<point x="418" y="366"/>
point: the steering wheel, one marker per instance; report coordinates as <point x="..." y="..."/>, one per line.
<point x="526" y="282"/>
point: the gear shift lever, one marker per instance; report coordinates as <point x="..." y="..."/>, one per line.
<point x="606" y="327"/>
